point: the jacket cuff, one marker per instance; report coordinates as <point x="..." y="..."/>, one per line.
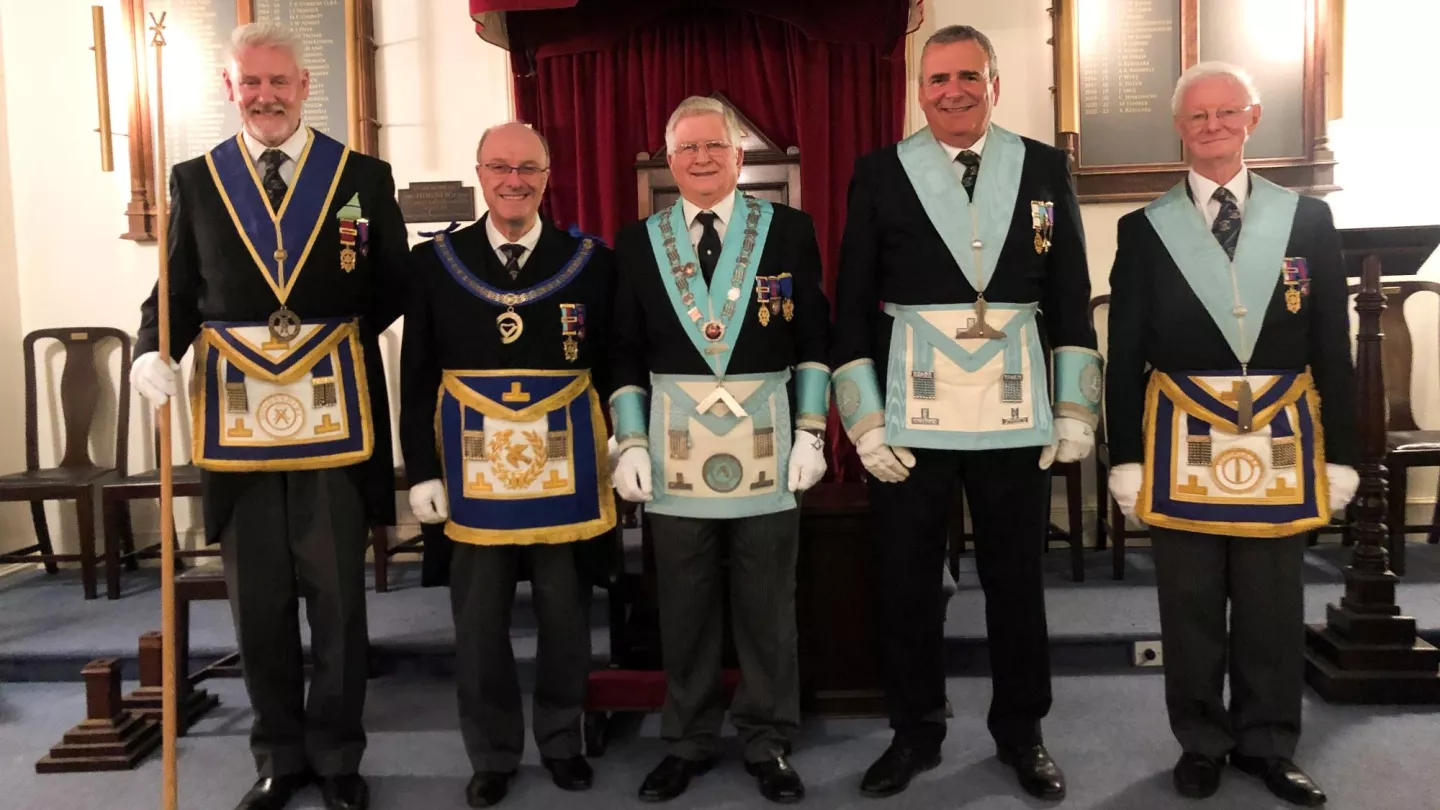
<point x="857" y="395"/>
<point x="1078" y="384"/>
<point x="812" y="396"/>
<point x="627" y="414"/>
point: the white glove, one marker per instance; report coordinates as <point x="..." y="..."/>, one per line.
<point x="1073" y="441"/>
<point x="632" y="475"/>
<point x="611" y="456"/>
<point x="807" y="461"/>
<point x="428" y="501"/>
<point x="153" y="378"/>
<point x="1343" y="483"/>
<point x="1125" y="486"/>
<point x="889" y="464"/>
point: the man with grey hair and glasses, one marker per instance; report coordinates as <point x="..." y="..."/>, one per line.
<point x="963" y="292"/>
<point x="1229" y="329"/>
<point x="721" y="330"/>
<point x="286" y="257"/>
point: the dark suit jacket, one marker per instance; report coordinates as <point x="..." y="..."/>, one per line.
<point x="213" y="277"/>
<point x="892" y="253"/>
<point x="1156" y="321"/>
<point x="447" y="327"/>
<point x="649" y="337"/>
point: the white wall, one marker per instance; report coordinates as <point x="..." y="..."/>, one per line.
<point x="13" y="516"/>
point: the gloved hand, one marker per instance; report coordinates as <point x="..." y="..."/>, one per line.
<point x="889" y="464"/>
<point x="1343" y="483"/>
<point x="1125" y="486"/>
<point x="1073" y="441"/>
<point x="611" y="456"/>
<point x="153" y="378"/>
<point x="632" y="475"/>
<point x="807" y="461"/>
<point x="428" y="501"/>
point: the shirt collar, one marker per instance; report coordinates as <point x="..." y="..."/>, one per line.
<point x="722" y="210"/>
<point x="527" y="241"/>
<point x="1204" y="188"/>
<point x="952" y="151"/>
<point x="292" y="147"/>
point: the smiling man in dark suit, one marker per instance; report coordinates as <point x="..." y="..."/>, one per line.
<point x="1229" y="327"/>
<point x="962" y="281"/>
<point x="286" y="257"/>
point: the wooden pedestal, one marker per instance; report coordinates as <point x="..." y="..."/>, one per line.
<point x="193" y="703"/>
<point x="111" y="738"/>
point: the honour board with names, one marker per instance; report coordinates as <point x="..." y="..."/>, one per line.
<point x="1117" y="63"/>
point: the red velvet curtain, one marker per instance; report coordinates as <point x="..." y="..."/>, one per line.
<point x="600" y="109"/>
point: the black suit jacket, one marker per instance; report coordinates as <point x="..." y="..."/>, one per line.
<point x="1156" y="321"/>
<point x="892" y="253"/>
<point x="447" y="327"/>
<point x="213" y="277"/>
<point x="649" y="337"/>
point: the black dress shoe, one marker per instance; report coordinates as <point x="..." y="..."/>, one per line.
<point x="273" y="793"/>
<point x="1039" y="775"/>
<point x="571" y="773"/>
<point x="671" y="777"/>
<point x="488" y="788"/>
<point x="345" y="792"/>
<point x="1197" y="775"/>
<point x="1283" y="777"/>
<point x="778" y="781"/>
<point x="893" y="771"/>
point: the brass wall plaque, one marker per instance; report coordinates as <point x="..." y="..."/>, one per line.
<point x="441" y="201"/>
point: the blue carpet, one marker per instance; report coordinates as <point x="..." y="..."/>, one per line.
<point x="1108" y="732"/>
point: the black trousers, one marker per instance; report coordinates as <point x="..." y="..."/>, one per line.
<point x="1009" y="500"/>
<point x="1261" y="644"/>
<point x="482" y="591"/>
<point x="294" y="535"/>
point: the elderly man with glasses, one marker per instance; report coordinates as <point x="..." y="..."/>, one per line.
<point x="722" y="327"/>
<point x="503" y="369"/>
<point x="1229" y="329"/>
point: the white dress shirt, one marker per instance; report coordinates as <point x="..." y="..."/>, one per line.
<point x="1204" y="190"/>
<point x="953" y="152"/>
<point x="722" y="210"/>
<point x="527" y="241"/>
<point x="292" y="147"/>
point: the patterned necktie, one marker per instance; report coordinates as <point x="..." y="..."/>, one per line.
<point x="512" y="258"/>
<point x="1227" y="222"/>
<point x="971" y="162"/>
<point x="273" y="183"/>
<point x="709" y="246"/>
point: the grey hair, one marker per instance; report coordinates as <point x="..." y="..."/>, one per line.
<point x="1205" y="70"/>
<point x="702" y="105"/>
<point x="964" y="33"/>
<point x="264" y="35"/>
<point x="544" y="144"/>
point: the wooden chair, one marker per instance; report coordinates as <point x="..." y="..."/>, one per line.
<point x="1109" y="520"/>
<point x="380" y="542"/>
<point x="76" y="476"/>
<point x="1406" y="445"/>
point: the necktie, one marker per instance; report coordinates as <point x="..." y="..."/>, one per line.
<point x="971" y="162"/>
<point x="709" y="246"/>
<point x="273" y="183"/>
<point x="1227" y="222"/>
<point x="512" y="258"/>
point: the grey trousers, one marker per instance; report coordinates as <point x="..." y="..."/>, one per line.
<point x="294" y="535"/>
<point x="482" y="591"/>
<point x="762" y="553"/>
<point x="1263" y="647"/>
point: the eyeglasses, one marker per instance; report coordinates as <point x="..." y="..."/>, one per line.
<point x="1225" y="116"/>
<point x="526" y="172"/>
<point x="690" y="151"/>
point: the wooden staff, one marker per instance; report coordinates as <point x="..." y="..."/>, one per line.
<point x="169" y="726"/>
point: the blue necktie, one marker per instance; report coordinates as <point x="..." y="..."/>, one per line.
<point x="1227" y="222"/>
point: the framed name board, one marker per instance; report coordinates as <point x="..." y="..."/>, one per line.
<point x="336" y="45"/>
<point x="1117" y="62"/>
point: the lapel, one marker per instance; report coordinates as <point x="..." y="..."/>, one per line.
<point x="1259" y="256"/>
<point x="959" y="221"/>
<point x="279" y="241"/>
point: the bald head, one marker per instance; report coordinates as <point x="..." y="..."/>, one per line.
<point x="510" y="134"/>
<point x="513" y="166"/>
